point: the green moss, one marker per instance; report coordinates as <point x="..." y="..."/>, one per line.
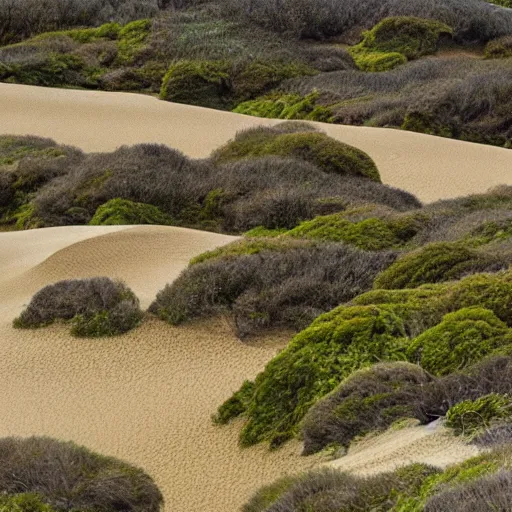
<point x="205" y="83"/>
<point x="426" y="122"/>
<point x="313" y="364"/>
<point x="268" y="494"/>
<point x="376" y="61"/>
<point x="328" y="154"/>
<point x="83" y="35"/>
<point x="461" y="339"/>
<point x="395" y="40"/>
<point x="371" y="234"/>
<point x="236" y="404"/>
<point x="25" y="217"/>
<point x="104" y="323"/>
<point x="502" y="3"/>
<point x="471" y="416"/>
<point x="262" y="231"/>
<point x="286" y="106"/>
<point x="493" y="231"/>
<point x="131" y="39"/>
<point x="122" y="211"/>
<point x="432" y="264"/>
<point x="23" y="502"/>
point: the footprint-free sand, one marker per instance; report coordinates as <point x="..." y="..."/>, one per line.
<point x="430" y="167"/>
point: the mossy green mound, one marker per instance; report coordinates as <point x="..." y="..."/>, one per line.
<point x="462" y="338"/>
<point x="286" y="106"/>
<point x="372" y="234"/>
<point x="220" y="84"/>
<point x="395" y="40"/>
<point x="317" y="148"/>
<point x="471" y="416"/>
<point x="379" y="327"/>
<point x="123" y="211"/>
<point x="435" y="263"/>
<point x="24" y="502"/>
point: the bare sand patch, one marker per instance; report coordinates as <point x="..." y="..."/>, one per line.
<point x="147" y="396"/>
<point x="430" y="167"/>
<point x="430" y="444"/>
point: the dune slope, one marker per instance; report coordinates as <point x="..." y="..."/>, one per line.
<point x="146" y="397"/>
<point x="430" y="167"/>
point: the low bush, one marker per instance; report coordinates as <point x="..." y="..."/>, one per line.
<point x="220" y="84"/>
<point x="499" y="48"/>
<point x="328" y="154"/>
<point x="470" y="416"/>
<point x="462" y="338"/>
<point x="39" y="474"/>
<point x="371" y="234"/>
<point x="270" y="287"/>
<point x="369" y="400"/>
<point x="436" y="263"/>
<point x="122" y="211"/>
<point x="494" y="435"/>
<point x="376" y="61"/>
<point x="286" y="106"/>
<point x="96" y="307"/>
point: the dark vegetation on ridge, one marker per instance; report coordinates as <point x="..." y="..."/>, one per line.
<point x="323" y="60"/>
<point x="39" y="474"/>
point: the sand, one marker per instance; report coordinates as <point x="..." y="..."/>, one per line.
<point x="430" y="444"/>
<point x="430" y="167"/>
<point x="145" y="397"/>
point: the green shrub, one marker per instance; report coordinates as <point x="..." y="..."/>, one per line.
<point x="462" y="338"/>
<point x="376" y="61"/>
<point x="69" y="477"/>
<point x="426" y="122"/>
<point x="372" y="234"/>
<point x="369" y="400"/>
<point x="499" y="48"/>
<point x="96" y="307"/>
<point x="131" y="39"/>
<point x="123" y="211"/>
<point x="502" y="3"/>
<point x="313" y="363"/>
<point x="470" y="416"/>
<point x="410" y="36"/>
<point x="24" y="502"/>
<point x="328" y="154"/>
<point x="286" y="106"/>
<point x="435" y="263"/>
<point x="83" y="35"/>
<point x="204" y="83"/>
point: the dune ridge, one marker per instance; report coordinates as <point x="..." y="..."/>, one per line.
<point x="431" y="167"/>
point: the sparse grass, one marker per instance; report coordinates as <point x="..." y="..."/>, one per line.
<point x="96" y="307"/>
<point x="39" y="474"/>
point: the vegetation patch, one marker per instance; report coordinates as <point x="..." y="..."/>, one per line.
<point x="436" y="263"/>
<point x="271" y="285"/>
<point x="328" y="154"/>
<point x="471" y="416"/>
<point x="395" y="40"/>
<point x="500" y="48"/>
<point x="96" y="307"/>
<point x="39" y="474"/>
<point x="123" y="211"/>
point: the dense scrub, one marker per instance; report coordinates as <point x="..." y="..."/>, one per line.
<point x="39" y="474"/>
<point x="270" y="285"/>
<point x="96" y="307"/>
<point x="393" y="41"/>
<point x="480" y="483"/>
<point x="328" y="154"/>
<point x="380" y="325"/>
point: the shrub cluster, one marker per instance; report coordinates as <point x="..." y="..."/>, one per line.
<point x="96" y="307"/>
<point x="270" y="285"/>
<point x="39" y="474"/>
<point x="500" y="48"/>
<point x="328" y="154"/>
<point x="393" y="41"/>
<point x="381" y="325"/>
<point x="123" y="211"/>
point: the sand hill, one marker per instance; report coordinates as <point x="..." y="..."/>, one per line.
<point x="102" y="121"/>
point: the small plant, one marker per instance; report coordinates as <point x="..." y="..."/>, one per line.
<point x="96" y="307"/>
<point x="470" y="416"/>
<point x="500" y="48"/>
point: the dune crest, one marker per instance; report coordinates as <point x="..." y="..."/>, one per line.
<point x="430" y="167"/>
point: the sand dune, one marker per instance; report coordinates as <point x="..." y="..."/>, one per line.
<point x="431" y="444"/>
<point x="430" y="167"/>
<point x="147" y="396"/>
